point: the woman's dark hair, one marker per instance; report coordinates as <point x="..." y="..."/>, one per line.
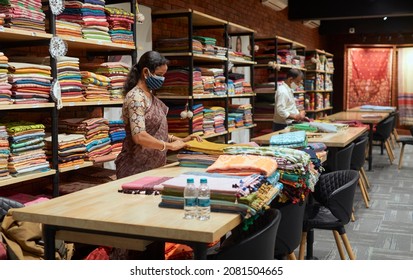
<point x="151" y="60"/>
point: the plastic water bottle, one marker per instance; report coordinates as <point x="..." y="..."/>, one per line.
<point x="190" y="199"/>
<point x="204" y="201"/>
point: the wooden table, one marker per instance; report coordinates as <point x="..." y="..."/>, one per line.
<point x="339" y="139"/>
<point x="359" y="109"/>
<point x="370" y="118"/>
<point x="102" y="216"/>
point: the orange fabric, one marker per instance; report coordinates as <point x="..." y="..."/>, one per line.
<point x="243" y="165"/>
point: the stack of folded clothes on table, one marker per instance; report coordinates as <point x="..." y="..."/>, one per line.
<point x="296" y="139"/>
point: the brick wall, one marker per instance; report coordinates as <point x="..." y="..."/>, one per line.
<point x="248" y="13"/>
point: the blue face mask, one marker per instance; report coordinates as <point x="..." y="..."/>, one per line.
<point x="154" y="82"/>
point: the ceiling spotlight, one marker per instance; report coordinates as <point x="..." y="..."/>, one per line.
<point x="385" y="18"/>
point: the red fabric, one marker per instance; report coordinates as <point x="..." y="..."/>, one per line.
<point x="369" y="76"/>
<point x="3" y="251"/>
<point x="101" y="253"/>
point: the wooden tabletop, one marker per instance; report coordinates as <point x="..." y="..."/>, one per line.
<point x="103" y="208"/>
<point x="364" y="117"/>
<point x="339" y="139"/>
<point x="359" y="109"/>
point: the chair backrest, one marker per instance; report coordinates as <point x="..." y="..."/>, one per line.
<point x="385" y="128"/>
<point x="290" y="228"/>
<point x="335" y="191"/>
<point x="340" y="160"/>
<point x="6" y="204"/>
<point x="411" y="130"/>
<point x="259" y="245"/>
<point x="358" y="156"/>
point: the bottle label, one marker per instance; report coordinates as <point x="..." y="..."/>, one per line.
<point x="204" y="202"/>
<point x="191" y="201"/>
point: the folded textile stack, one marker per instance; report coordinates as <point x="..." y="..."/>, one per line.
<point x="219" y="118"/>
<point x="95" y="86"/>
<point x="71" y="149"/>
<point x="265" y="87"/>
<point x="120" y="25"/>
<point x="5" y="87"/>
<point x="116" y="133"/>
<point x="90" y="14"/>
<point x="296" y="139"/>
<point x="208" y="44"/>
<point x="70" y="80"/>
<point x="302" y="126"/>
<point x="96" y="132"/>
<point x="177" y="45"/>
<point x="198" y="118"/>
<point x="177" y="82"/>
<point x="297" y="172"/>
<point x="213" y="81"/>
<point x="176" y="125"/>
<point x="210" y="148"/>
<point x="117" y="72"/>
<point x="4" y="153"/>
<point x="195" y="159"/>
<point x="238" y="80"/>
<point x="238" y="119"/>
<point x="208" y="121"/>
<point x="2" y="19"/>
<point x="239" y="56"/>
<point x="245" y="111"/>
<point x="30" y="82"/>
<point x="23" y="14"/>
<point x="68" y="28"/>
<point x="247" y="195"/>
<point x="26" y="148"/>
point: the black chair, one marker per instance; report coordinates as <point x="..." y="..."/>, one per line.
<point x="256" y="244"/>
<point x="382" y="135"/>
<point x="6" y="204"/>
<point x="394" y="136"/>
<point x="335" y="193"/>
<point x="405" y="140"/>
<point x="340" y="160"/>
<point x="358" y="158"/>
<point x="289" y="232"/>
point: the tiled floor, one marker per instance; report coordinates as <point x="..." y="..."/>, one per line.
<point x="385" y="230"/>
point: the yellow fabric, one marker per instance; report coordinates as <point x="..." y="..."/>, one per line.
<point x="209" y="148"/>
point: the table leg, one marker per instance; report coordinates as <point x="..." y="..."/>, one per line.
<point x="310" y="242"/>
<point x="370" y="146"/>
<point x="49" y="234"/>
<point x="200" y="251"/>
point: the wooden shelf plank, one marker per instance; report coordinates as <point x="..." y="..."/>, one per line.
<point x="316" y="71"/>
<point x="76" y="167"/>
<point x="321" y="91"/>
<point x="92" y="103"/>
<point x="26" y="106"/>
<point x="241" y="95"/>
<point x="76" y="43"/>
<point x="242" y="128"/>
<point x="195" y="96"/>
<point x="198" y="18"/>
<point x="8" y="34"/>
<point x="214" y="135"/>
<point x="234" y="29"/>
<point x="242" y="61"/>
<point x="263" y="120"/>
<point x="27" y="177"/>
<point x="319" y="110"/>
<point x="196" y="56"/>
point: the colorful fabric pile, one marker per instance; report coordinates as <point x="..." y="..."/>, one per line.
<point x="297" y="173"/>
<point x="67" y="28"/>
<point x="30" y="82"/>
<point x="95" y="86"/>
<point x="4" y="153"/>
<point x="26" y="148"/>
<point x="242" y="114"/>
<point x="296" y="139"/>
<point x="198" y="118"/>
<point x="71" y="149"/>
<point x="2" y="19"/>
<point x="96" y="132"/>
<point x="238" y="81"/>
<point x="213" y="81"/>
<point x="177" y="82"/>
<point x="208" y="44"/>
<point x="5" y="87"/>
<point x="219" y="119"/>
<point x="23" y="14"/>
<point x="176" y="125"/>
<point x="117" y="72"/>
<point x="178" y="45"/>
<point x="120" y="25"/>
<point x="70" y="80"/>
<point x="90" y="14"/>
<point x="116" y="133"/>
<point x="195" y="159"/>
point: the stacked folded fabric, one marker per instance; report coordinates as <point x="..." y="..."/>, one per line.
<point x="30" y="82"/>
<point x="68" y="28"/>
<point x="208" y="121"/>
<point x="23" y="14"/>
<point x="117" y="72"/>
<point x="116" y="133"/>
<point x="219" y="118"/>
<point x="176" y="125"/>
<point x="296" y="139"/>
<point x="210" y="148"/>
<point x="208" y="44"/>
<point x="296" y="170"/>
<point x="70" y="80"/>
<point x="177" y="83"/>
<point x="26" y="148"/>
<point x="90" y="14"/>
<point x="178" y="44"/>
<point x="238" y="81"/>
<point x="4" y="153"/>
<point x="2" y="19"/>
<point x="198" y="118"/>
<point x="265" y="87"/>
<point x="71" y="149"/>
<point x="195" y="159"/>
<point x="5" y="92"/>
<point x="95" y="86"/>
<point x="242" y="114"/>
<point x="219" y="87"/>
<point x="247" y="195"/>
<point x="120" y="25"/>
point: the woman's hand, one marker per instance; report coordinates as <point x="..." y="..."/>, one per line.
<point x="176" y="145"/>
<point x="191" y="137"/>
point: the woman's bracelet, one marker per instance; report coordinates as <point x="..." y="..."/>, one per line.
<point x="171" y="139"/>
<point x="164" y="146"/>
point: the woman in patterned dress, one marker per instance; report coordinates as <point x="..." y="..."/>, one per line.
<point x="147" y="139"/>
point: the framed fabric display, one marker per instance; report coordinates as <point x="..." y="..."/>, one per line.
<point x="369" y="76"/>
<point x="405" y="86"/>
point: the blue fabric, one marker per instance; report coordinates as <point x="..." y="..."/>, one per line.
<point x="290" y="139"/>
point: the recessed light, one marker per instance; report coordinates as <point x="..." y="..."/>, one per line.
<point x="385" y="18"/>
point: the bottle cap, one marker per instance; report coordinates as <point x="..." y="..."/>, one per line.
<point x="204" y="181"/>
<point x="190" y="180"/>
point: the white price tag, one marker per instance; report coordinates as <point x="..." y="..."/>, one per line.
<point x="76" y="167"/>
<point x="1" y="28"/>
<point x="99" y="102"/>
<point x="71" y="103"/>
<point x="35" y="105"/>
